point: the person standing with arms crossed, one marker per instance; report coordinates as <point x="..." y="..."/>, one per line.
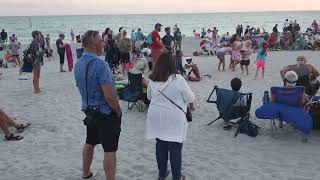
<point x="61" y="48"/>
<point x="100" y="104"/>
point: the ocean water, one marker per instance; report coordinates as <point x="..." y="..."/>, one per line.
<point x="226" y="22"/>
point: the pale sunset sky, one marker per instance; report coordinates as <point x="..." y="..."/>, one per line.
<point x="84" y="7"/>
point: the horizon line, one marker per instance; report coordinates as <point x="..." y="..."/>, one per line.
<point x="123" y="14"/>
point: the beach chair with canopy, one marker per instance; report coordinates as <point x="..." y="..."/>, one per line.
<point x="232" y="105"/>
<point x="287" y="105"/>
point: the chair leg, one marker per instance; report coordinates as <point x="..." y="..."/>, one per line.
<point x="237" y="132"/>
<point x="137" y="104"/>
<point x="305" y="138"/>
<point x="273" y="127"/>
<point x="139" y="107"/>
<point x="214" y="121"/>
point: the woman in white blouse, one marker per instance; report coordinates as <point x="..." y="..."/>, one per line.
<point x="166" y="122"/>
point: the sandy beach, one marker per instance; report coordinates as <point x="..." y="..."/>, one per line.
<point x="53" y="145"/>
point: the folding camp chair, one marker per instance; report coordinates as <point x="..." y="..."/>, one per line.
<point x="133" y="93"/>
<point x="232" y="105"/>
<point x="288" y="106"/>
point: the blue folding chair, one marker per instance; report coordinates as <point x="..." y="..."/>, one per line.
<point x="231" y="105"/>
<point x="287" y="105"/>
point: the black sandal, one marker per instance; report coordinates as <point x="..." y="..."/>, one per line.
<point x="88" y="177"/>
<point x="13" y="137"/>
<point x="23" y="127"/>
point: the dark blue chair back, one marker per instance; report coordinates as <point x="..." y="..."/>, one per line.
<point x="226" y="101"/>
<point x="288" y="96"/>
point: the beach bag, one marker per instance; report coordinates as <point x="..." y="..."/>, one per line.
<point x="27" y="55"/>
<point x="248" y="128"/>
<point x="28" y="60"/>
<point x="149" y="39"/>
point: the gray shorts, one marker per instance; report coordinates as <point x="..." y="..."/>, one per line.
<point x="220" y="55"/>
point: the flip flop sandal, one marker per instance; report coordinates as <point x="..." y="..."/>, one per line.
<point x="23" y="127"/>
<point x="13" y="137"/>
<point x="91" y="176"/>
<point x="163" y="178"/>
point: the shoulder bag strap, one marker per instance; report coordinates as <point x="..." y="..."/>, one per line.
<point x="87" y="69"/>
<point x="172" y="102"/>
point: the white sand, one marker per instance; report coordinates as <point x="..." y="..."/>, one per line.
<point x="52" y="146"/>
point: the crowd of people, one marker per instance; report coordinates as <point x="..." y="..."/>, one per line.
<point x="243" y="43"/>
<point x="291" y="38"/>
<point x="170" y="97"/>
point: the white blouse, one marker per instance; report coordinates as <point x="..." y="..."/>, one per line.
<point x="165" y="121"/>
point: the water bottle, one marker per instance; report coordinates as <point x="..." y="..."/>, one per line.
<point x="266" y="97"/>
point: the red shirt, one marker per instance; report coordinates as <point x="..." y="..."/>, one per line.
<point x="272" y="40"/>
<point x="315" y="25"/>
<point x="155" y="45"/>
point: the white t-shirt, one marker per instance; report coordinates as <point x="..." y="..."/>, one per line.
<point x="209" y="35"/>
<point x="147" y="50"/>
<point x="139" y="66"/>
<point x="165" y="121"/>
<point x="184" y="62"/>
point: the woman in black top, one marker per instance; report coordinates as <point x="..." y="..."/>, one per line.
<point x="61" y="50"/>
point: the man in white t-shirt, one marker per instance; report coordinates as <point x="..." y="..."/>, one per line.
<point x="285" y="25"/>
<point x="147" y="54"/>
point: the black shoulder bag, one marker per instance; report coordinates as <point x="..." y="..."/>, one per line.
<point x="188" y="113"/>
